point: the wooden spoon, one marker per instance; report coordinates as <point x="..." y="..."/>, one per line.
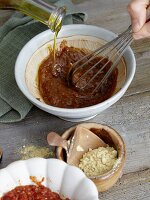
<point x="82" y="141"/>
<point x="56" y="140"/>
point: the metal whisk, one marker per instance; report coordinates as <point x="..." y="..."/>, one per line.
<point x="111" y="52"/>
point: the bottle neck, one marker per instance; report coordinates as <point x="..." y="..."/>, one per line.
<point x="56" y="18"/>
<point x="48" y="14"/>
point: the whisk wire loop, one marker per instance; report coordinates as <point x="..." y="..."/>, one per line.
<point x="113" y="65"/>
<point x="76" y="65"/>
<point x="110" y="52"/>
<point x="115" y="44"/>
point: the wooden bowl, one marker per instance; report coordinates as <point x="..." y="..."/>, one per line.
<point x="113" y="139"/>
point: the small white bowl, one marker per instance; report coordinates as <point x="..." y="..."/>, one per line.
<point x="39" y="43"/>
<point x="68" y="181"/>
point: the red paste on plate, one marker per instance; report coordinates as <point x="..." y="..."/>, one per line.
<point x="31" y="192"/>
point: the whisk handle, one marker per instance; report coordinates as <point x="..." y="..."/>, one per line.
<point x="148" y="15"/>
<point x="129" y="29"/>
<point x="148" y="19"/>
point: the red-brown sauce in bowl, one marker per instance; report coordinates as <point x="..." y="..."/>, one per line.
<point x="33" y="192"/>
<point x="53" y="84"/>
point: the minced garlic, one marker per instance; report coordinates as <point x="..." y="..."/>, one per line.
<point x="98" y="161"/>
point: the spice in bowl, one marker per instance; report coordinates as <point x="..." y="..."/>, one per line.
<point x="98" y="161"/>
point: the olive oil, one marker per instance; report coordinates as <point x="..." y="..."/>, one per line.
<point x="54" y="45"/>
<point x="47" y="14"/>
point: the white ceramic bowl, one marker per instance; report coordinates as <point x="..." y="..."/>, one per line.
<point x="39" y="42"/>
<point x="66" y="180"/>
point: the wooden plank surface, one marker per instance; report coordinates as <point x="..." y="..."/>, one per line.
<point x="130" y="116"/>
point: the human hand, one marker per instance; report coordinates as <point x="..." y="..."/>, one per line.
<point x="138" y="10"/>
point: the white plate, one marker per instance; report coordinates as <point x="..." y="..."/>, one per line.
<point x="68" y="181"/>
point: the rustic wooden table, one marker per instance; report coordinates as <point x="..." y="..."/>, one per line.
<point x="130" y="116"/>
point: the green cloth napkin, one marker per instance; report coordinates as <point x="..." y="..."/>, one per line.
<point x="14" y="34"/>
